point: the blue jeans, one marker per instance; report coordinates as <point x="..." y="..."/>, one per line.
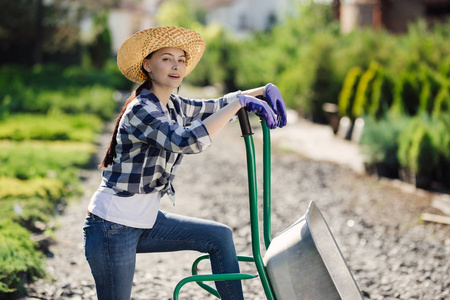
<point x="111" y="248"/>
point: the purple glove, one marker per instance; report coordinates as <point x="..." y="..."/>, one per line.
<point x="260" y="108"/>
<point x="273" y="95"/>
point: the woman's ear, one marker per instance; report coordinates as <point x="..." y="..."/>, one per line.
<point x="146" y="65"/>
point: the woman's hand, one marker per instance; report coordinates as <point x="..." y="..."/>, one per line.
<point x="273" y="95"/>
<point x="260" y="108"/>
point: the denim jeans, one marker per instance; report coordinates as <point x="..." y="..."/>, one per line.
<point x="111" y="248"/>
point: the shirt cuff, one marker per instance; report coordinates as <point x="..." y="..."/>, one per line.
<point x="231" y="96"/>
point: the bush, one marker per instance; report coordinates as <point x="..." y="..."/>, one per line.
<point x="347" y="95"/>
<point x="406" y="94"/>
<point x="27" y="160"/>
<point x="381" y="96"/>
<point x="431" y="85"/>
<point x="418" y="146"/>
<point x="362" y="103"/>
<point x="53" y="127"/>
<point x="422" y="155"/>
<point x="442" y="102"/>
<point x="19" y="260"/>
<point x="379" y="141"/>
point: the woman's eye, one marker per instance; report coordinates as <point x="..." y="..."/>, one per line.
<point x="183" y="61"/>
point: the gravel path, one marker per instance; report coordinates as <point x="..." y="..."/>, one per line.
<point x="392" y="254"/>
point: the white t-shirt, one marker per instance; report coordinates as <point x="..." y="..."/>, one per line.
<point x="139" y="210"/>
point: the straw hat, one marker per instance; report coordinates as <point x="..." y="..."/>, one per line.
<point x="142" y="43"/>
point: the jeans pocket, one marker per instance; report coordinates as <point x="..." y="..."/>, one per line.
<point x="112" y="227"/>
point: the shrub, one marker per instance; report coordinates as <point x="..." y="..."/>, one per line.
<point x="347" y="95"/>
<point x="431" y="85"/>
<point x="80" y="127"/>
<point x="418" y="150"/>
<point x="362" y="96"/>
<point x="19" y="260"/>
<point x="45" y="188"/>
<point x="406" y="94"/>
<point x="442" y="102"/>
<point x="382" y="95"/>
<point x="27" y="160"/>
<point x="379" y="141"/>
<point x="423" y="153"/>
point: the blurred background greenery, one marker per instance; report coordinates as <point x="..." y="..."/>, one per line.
<point x="58" y="78"/>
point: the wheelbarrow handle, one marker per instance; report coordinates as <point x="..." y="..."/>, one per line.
<point x="242" y="114"/>
<point x="246" y="129"/>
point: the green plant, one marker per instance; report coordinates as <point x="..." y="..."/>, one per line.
<point x="382" y="95"/>
<point x="19" y="260"/>
<point x="31" y="159"/>
<point x="347" y="95"/>
<point x="442" y="102"/>
<point x="406" y="94"/>
<point x="431" y="84"/>
<point x="56" y="126"/>
<point x="423" y="153"/>
<point x="379" y="140"/>
<point x="418" y="150"/>
<point x="362" y="103"/>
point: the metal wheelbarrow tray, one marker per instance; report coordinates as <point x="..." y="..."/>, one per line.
<point x="304" y="262"/>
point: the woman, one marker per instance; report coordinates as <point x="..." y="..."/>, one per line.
<point x="153" y="131"/>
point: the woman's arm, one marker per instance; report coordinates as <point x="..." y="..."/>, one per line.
<point x="218" y="120"/>
<point x="254" y="92"/>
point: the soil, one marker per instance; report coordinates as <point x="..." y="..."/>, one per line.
<point x="376" y="223"/>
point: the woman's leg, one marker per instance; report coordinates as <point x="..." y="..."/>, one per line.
<point x="110" y="249"/>
<point x="173" y="232"/>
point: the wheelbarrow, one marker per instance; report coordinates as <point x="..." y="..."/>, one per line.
<point x="302" y="262"/>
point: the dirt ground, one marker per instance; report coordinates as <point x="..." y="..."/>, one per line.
<point x="390" y="251"/>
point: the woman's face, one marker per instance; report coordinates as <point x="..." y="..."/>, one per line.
<point x="166" y="67"/>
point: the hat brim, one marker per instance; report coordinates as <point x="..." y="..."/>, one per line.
<point x="142" y="43"/>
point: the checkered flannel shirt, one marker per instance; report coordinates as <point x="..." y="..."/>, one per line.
<point x="150" y="145"/>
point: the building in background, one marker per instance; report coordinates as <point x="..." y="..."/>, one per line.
<point x="239" y="16"/>
<point x="244" y="16"/>
<point x="393" y="15"/>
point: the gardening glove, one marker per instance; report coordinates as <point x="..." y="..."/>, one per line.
<point x="260" y="108"/>
<point x="275" y="100"/>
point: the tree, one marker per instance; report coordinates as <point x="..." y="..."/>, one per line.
<point x="36" y="31"/>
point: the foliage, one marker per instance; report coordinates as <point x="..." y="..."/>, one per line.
<point x="99" y="48"/>
<point x="46" y="30"/>
<point x="49" y="118"/>
<point x="379" y="140"/>
<point x="362" y="96"/>
<point x="55" y="88"/>
<point x="182" y="13"/>
<point x="407" y="94"/>
<point x="79" y="127"/>
<point x="417" y="150"/>
<point x="442" y="102"/>
<point x="347" y="95"/>
<point x="19" y="260"/>
<point x="381" y="95"/>
<point x="26" y="160"/>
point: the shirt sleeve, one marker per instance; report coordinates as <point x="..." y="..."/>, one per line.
<point x="150" y="125"/>
<point x="201" y="109"/>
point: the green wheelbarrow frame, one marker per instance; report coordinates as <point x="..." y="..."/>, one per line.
<point x="303" y="261"/>
<point x="254" y="220"/>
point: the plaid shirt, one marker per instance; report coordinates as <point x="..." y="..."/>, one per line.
<point x="150" y="145"/>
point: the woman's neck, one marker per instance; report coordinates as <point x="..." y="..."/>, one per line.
<point x="162" y="94"/>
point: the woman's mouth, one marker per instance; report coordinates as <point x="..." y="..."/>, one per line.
<point x="174" y="76"/>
